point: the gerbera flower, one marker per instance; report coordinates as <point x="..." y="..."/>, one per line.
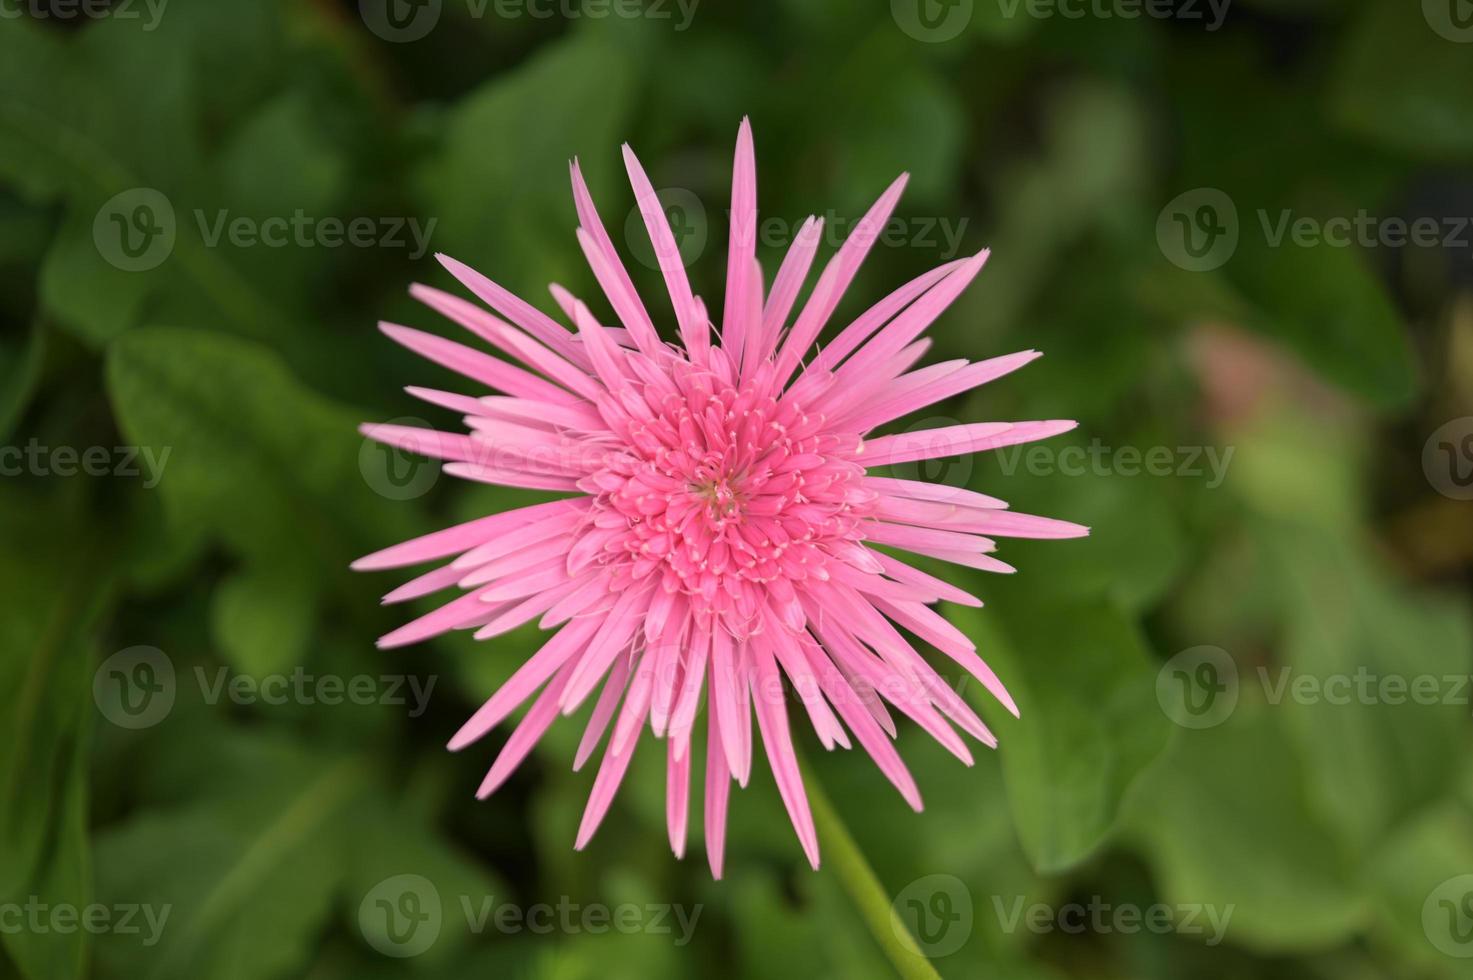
<point x="721" y="534"/>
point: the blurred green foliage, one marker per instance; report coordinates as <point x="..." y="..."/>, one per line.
<point x="1324" y="830"/>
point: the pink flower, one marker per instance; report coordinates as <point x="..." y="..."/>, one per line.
<point x="718" y="528"/>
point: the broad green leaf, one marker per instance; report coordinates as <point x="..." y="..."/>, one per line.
<point x="1387" y="675"/>
<point x="20" y="370"/>
<point x="1225" y="822"/>
<point x="268" y="465"/>
<point x="497" y="182"/>
<point x="236" y="884"/>
<point x="262" y="619"/>
<point x="54" y="598"/>
<point x="1403" y="76"/>
<point x="1085" y="686"/>
<point x="1415" y="880"/>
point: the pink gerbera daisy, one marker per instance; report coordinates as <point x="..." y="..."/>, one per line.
<point x="720" y="530"/>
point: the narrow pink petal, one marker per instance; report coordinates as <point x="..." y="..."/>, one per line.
<point x="515" y="309"/>
<point x="878" y="315"/>
<point x="909" y="324"/>
<point x="524" y="534"/>
<point x="932" y="491"/>
<point x="667" y="252"/>
<point x="477" y="366"/>
<point x="455" y="613"/>
<point x="772" y="719"/>
<point x="429" y="582"/>
<point x="503" y="477"/>
<point x="464" y="404"/>
<point x="609" y="271"/>
<point x="955" y="383"/>
<point x="610" y="774"/>
<point x="718" y="788"/>
<point x="528" y="677"/>
<point x="677" y="793"/>
<point x="942" y="635"/>
<point x="957" y="440"/>
<point x="526" y="735"/>
<point x="613" y="634"/>
<point x="902" y="572"/>
<point x="461" y="537"/>
<point x="603" y="709"/>
<point x="501" y="336"/>
<point x="741" y="253"/>
<point x="835" y="279"/>
<point x="847" y="702"/>
<point x="789" y="282"/>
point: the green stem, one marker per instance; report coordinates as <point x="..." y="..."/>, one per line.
<point x="864" y="888"/>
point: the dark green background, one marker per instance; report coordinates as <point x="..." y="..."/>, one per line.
<point x="1324" y="828"/>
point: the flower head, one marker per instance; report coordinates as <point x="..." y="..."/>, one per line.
<point x="721" y="533"/>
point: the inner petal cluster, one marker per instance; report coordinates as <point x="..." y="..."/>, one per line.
<point x="729" y="495"/>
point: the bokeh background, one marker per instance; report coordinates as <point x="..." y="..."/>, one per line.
<point x="1240" y="233"/>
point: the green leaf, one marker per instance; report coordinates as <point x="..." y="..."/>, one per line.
<point x="497" y="183"/>
<point x="268" y="465"/>
<point x="262" y="619"/>
<point x="20" y="370"/>
<point x="1388" y="672"/>
<point x="1085" y="686"/>
<point x="1403" y="79"/>
<point x="236" y="884"/>
<point x="1225" y="822"/>
<point x="54" y="597"/>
